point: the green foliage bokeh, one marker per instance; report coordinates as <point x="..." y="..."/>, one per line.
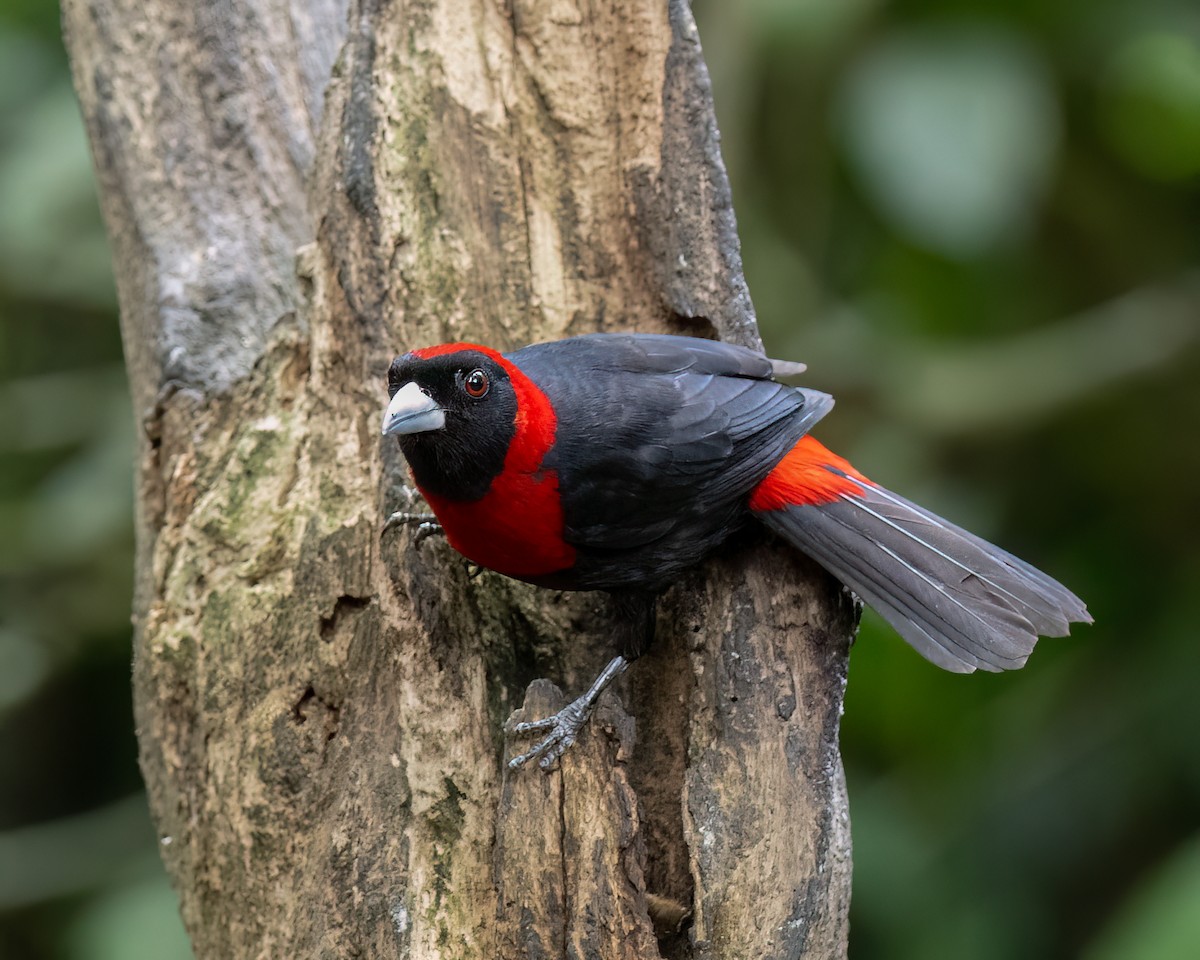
<point x="979" y="224"/>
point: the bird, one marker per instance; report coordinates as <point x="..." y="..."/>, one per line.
<point x="614" y="462"/>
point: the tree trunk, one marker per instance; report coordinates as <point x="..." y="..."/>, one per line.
<point x="295" y="192"/>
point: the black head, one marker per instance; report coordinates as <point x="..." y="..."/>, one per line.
<point x="454" y="411"/>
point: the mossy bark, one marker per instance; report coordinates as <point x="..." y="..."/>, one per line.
<point x="295" y="192"/>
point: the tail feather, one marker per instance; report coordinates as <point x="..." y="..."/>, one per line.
<point x="1050" y="606"/>
<point x="962" y="602"/>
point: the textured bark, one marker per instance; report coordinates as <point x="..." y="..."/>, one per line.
<point x="295" y="192"/>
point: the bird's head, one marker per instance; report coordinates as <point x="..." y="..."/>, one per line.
<point x="454" y="410"/>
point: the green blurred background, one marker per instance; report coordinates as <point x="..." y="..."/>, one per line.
<point x="979" y="223"/>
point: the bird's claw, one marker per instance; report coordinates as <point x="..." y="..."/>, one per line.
<point x="427" y="529"/>
<point x="564" y="727"/>
<point x="426" y="523"/>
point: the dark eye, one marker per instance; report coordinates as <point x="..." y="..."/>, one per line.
<point x="476" y="384"/>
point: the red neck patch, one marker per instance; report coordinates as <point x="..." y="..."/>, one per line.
<point x="516" y="528"/>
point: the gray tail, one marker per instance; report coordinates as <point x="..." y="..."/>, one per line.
<point x="960" y="601"/>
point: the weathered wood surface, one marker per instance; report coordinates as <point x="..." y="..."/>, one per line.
<point x="295" y="192"/>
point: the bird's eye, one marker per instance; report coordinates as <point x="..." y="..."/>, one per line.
<point x="476" y="384"/>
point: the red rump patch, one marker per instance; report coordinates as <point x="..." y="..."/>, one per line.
<point x="516" y="528"/>
<point x="807" y="477"/>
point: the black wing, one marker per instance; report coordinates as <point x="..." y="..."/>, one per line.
<point x="660" y="440"/>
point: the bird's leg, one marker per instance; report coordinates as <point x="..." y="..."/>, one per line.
<point x="565" y="725"/>
<point x="633" y="614"/>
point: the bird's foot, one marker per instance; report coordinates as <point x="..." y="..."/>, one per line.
<point x="563" y="728"/>
<point x="565" y="725"/>
<point x="426" y="523"/>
